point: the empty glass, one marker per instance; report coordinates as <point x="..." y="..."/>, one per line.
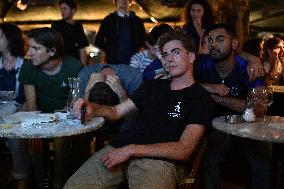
<point x="73" y="96"/>
<point x="260" y="98"/>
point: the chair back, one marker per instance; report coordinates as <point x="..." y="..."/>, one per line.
<point x="190" y="180"/>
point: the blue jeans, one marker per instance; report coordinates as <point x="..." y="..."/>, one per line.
<point x="257" y="153"/>
<point x="21" y="158"/>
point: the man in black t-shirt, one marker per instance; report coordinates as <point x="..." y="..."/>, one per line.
<point x="72" y="32"/>
<point x="172" y="117"/>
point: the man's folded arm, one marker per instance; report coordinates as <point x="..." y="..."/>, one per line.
<point x="180" y="150"/>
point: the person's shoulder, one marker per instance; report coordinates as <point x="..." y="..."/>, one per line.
<point x="69" y="62"/>
<point x="157" y="83"/>
<point x="28" y="64"/>
<point x="28" y="69"/>
<point x="110" y="16"/>
<point x="136" y="20"/>
<point x="141" y="54"/>
<point x="77" y="24"/>
<point x="70" y="59"/>
<point x="133" y="15"/>
<point x="203" y="58"/>
<point x="198" y="90"/>
<point x="125" y="69"/>
<point x="240" y="60"/>
<point x="58" y="23"/>
<point x="94" y="68"/>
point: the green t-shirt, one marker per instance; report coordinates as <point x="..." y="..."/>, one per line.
<point x="51" y="91"/>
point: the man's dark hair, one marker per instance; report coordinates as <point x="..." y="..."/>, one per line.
<point x="228" y="28"/>
<point x="157" y="31"/>
<point x="115" y="2"/>
<point x="252" y="46"/>
<point x="102" y="94"/>
<point x="70" y="3"/>
<point x="14" y="36"/>
<point x="176" y="35"/>
<point x="49" y="38"/>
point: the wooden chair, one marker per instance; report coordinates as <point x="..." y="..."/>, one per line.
<point x="190" y="181"/>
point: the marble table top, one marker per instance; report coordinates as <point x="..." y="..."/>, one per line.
<point x="36" y="125"/>
<point x="271" y="131"/>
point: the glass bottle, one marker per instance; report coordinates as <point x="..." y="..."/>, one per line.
<point x="73" y="95"/>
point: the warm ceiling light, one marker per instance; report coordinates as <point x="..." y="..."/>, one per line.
<point x="21" y="5"/>
<point x="153" y="19"/>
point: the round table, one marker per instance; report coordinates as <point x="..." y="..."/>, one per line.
<point x="264" y="131"/>
<point x="56" y="128"/>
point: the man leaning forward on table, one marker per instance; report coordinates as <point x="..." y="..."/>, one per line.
<point x="45" y="80"/>
<point x="224" y="74"/>
<point x="172" y="119"/>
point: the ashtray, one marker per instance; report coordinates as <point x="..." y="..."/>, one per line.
<point x="233" y="119"/>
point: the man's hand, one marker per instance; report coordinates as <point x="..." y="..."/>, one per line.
<point x="255" y="68"/>
<point x="117" y="156"/>
<point x="216" y="98"/>
<point x="114" y="83"/>
<point x="36" y="145"/>
<point x="161" y="76"/>
<point x="220" y="89"/>
<point x="94" y="78"/>
<point x="90" y="108"/>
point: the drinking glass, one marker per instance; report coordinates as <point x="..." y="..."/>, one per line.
<point x="261" y="98"/>
<point x="7" y="104"/>
<point x="72" y="97"/>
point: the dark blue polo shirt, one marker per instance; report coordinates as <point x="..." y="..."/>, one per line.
<point x="237" y="80"/>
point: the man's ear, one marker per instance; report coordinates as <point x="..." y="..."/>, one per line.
<point x="52" y="51"/>
<point x="235" y="44"/>
<point x="191" y="56"/>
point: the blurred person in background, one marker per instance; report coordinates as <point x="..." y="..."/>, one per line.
<point x="198" y="18"/>
<point x="121" y="34"/>
<point x="254" y="47"/>
<point x="274" y="67"/>
<point x="11" y="59"/>
<point x="142" y="59"/>
<point x="274" y="61"/>
<point x="75" y="40"/>
<point x="12" y="48"/>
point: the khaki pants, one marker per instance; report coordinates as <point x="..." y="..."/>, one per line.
<point x="140" y="173"/>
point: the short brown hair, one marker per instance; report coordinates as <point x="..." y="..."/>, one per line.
<point x="49" y="38"/>
<point x="176" y="35"/>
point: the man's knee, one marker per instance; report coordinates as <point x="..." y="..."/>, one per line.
<point x="152" y="174"/>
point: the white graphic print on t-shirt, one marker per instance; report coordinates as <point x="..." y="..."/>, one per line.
<point x="176" y="112"/>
